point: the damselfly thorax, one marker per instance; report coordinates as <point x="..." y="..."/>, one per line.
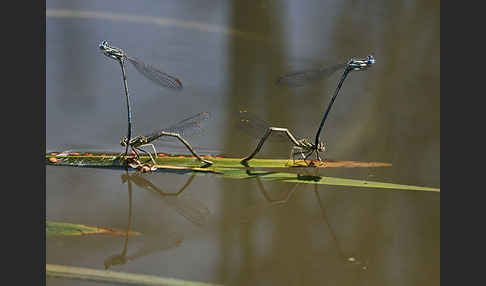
<point x="135" y="141"/>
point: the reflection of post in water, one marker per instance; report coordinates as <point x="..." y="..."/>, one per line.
<point x="192" y="210"/>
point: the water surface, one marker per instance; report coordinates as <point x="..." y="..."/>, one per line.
<point x="228" y="55"/>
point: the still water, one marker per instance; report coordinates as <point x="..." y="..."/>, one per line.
<point x="228" y="55"/>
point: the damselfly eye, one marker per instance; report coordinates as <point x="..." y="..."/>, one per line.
<point x="371" y="59"/>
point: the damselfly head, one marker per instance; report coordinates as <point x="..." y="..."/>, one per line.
<point x="361" y="64"/>
<point x="112" y="52"/>
<point x="371" y="60"/>
<point x="103" y="46"/>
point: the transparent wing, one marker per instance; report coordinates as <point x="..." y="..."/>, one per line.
<point x="193" y="210"/>
<point x="158" y="77"/>
<point x="186" y="128"/>
<point x="256" y="127"/>
<point x="301" y="78"/>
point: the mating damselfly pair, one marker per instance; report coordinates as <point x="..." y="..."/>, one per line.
<point x="164" y="80"/>
<point x="302" y="146"/>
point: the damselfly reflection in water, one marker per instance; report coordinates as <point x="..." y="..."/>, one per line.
<point x="342" y="254"/>
<point x="253" y="212"/>
<point x="257" y="211"/>
<point x="122" y="258"/>
<point x="195" y="212"/>
<point x="148" y="71"/>
<point x="304" y="146"/>
<point x="192" y="210"/>
<point x="188" y="126"/>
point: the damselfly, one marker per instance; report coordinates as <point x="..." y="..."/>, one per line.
<point x="150" y="72"/>
<point x="187" y="127"/>
<point x="155" y="75"/>
<point x="353" y="65"/>
<point x="305" y="77"/>
<point x="256" y="126"/>
<point x="192" y="210"/>
<point x="304" y="145"/>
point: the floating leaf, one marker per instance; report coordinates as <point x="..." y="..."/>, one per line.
<point x="69" y="229"/>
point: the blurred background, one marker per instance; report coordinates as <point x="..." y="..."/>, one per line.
<point x="228" y="55"/>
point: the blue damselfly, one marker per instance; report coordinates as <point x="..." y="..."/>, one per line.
<point x="304" y="146"/>
<point x="150" y="72"/>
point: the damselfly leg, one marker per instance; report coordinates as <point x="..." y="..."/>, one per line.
<point x="188" y="126"/>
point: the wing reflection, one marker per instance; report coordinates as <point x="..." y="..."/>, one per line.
<point x="192" y="210"/>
